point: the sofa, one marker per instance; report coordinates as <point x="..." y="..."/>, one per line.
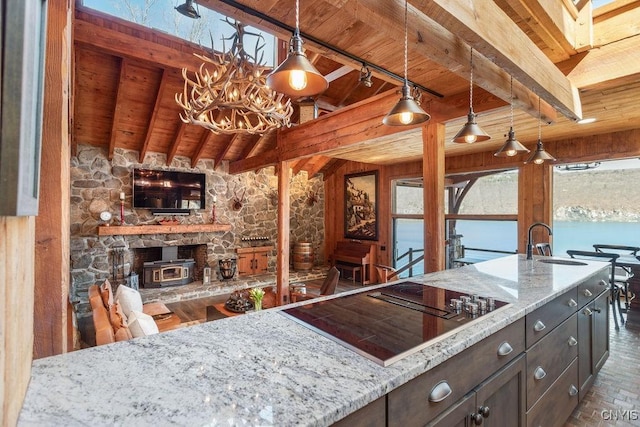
<point x="122" y="316"/>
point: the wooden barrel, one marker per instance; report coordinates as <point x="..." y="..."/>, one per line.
<point x="302" y="256"/>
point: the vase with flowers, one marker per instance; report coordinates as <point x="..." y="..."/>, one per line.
<point x="256" y="295"/>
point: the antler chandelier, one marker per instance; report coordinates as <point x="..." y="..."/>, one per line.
<point x="229" y="94"/>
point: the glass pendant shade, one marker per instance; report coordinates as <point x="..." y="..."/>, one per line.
<point x="296" y="76"/>
<point x="511" y="146"/>
<point x="540" y="155"/>
<point x="471" y="132"/>
<point x="406" y="111"/>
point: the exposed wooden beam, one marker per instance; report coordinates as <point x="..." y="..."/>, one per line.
<point x="222" y="154"/>
<point x="126" y="45"/>
<point x="603" y="64"/>
<point x="283" y="245"/>
<point x="319" y="163"/>
<point x="340" y="72"/>
<point x="154" y="116"/>
<point x="337" y="164"/>
<point x="299" y="165"/>
<point x="550" y="21"/>
<point x="176" y="142"/>
<point x="254" y="163"/>
<point x="204" y="141"/>
<point x="508" y="47"/>
<point x="117" y="112"/>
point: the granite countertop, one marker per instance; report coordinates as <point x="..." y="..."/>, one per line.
<point x="263" y="368"/>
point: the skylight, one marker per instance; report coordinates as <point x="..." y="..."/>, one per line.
<point x="161" y="15"/>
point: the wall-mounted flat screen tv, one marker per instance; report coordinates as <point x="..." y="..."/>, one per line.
<point x="168" y="192"/>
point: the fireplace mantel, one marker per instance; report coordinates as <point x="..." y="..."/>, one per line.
<point x="127" y="230"/>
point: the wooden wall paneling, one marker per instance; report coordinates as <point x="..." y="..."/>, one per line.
<point x="433" y="190"/>
<point x="283" y="245"/>
<point x="17" y="235"/>
<point x="52" y="250"/>
<point x="118" y="110"/>
<point x="173" y="149"/>
<point x="205" y="139"/>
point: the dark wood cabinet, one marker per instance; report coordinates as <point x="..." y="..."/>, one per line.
<point x="254" y="260"/>
<point x="593" y="336"/>
<point x="498" y="401"/>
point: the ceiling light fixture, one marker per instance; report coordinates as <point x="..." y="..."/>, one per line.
<point x="365" y="76"/>
<point x="229" y="94"/>
<point x="471" y="132"/>
<point x="188" y="10"/>
<point x="296" y="76"/>
<point x="540" y="155"/>
<point x="511" y="146"/>
<point x="406" y="111"/>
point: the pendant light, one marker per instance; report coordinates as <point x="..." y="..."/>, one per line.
<point x="296" y="76"/>
<point x="540" y="155"/>
<point x="406" y="111"/>
<point x="511" y="146"/>
<point x="471" y="132"/>
<point x="188" y="10"/>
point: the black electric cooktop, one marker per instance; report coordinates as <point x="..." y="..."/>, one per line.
<point x="389" y="323"/>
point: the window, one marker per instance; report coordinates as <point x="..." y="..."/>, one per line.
<point x="596" y="203"/>
<point x="481" y="216"/>
<point x="161" y="15"/>
<point x="408" y="226"/>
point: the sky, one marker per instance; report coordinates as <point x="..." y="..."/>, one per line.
<point x="161" y="15"/>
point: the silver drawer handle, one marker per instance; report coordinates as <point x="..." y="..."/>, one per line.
<point x="539" y="373"/>
<point x="573" y="390"/>
<point x="587" y="311"/>
<point x="440" y="392"/>
<point x="539" y="326"/>
<point x="603" y="283"/>
<point x="587" y="293"/>
<point x="572" y="342"/>
<point x="572" y="303"/>
<point x="504" y="349"/>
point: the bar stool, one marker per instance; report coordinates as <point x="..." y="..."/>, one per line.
<point x="615" y="289"/>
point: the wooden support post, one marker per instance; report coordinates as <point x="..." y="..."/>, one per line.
<point x="282" y="267"/>
<point x="51" y="298"/>
<point x="535" y="202"/>
<point x="433" y="190"/>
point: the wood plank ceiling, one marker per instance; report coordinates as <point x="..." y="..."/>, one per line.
<point x="126" y="76"/>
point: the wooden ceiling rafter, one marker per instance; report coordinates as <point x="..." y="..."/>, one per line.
<point x="173" y="149"/>
<point x="117" y="110"/>
<point x="299" y="165"/>
<point x="333" y="168"/>
<point x="206" y="138"/>
<point x="319" y="164"/>
<point x="338" y="73"/>
<point x="154" y="116"/>
<point x="223" y="153"/>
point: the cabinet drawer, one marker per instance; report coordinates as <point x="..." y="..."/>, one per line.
<point x="557" y="404"/>
<point x="414" y="403"/>
<point x="591" y="288"/>
<point x="549" y="358"/>
<point x="544" y="319"/>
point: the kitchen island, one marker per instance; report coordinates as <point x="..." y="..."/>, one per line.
<point x="265" y="369"/>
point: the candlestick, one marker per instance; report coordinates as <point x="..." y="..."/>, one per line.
<point x="213" y="213"/>
<point x="121" y="211"/>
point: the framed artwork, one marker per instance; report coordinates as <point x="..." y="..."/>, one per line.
<point x="360" y="206"/>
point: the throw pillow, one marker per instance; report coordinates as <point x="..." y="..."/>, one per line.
<point x="117" y="317"/>
<point x="106" y="292"/>
<point x="141" y="324"/>
<point x="129" y="299"/>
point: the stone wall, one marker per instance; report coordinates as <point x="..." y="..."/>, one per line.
<point x="96" y="183"/>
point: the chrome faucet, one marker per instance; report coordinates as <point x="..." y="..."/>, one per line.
<point x="530" y="238"/>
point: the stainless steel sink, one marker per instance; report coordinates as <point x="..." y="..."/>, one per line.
<point x="561" y="261"/>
